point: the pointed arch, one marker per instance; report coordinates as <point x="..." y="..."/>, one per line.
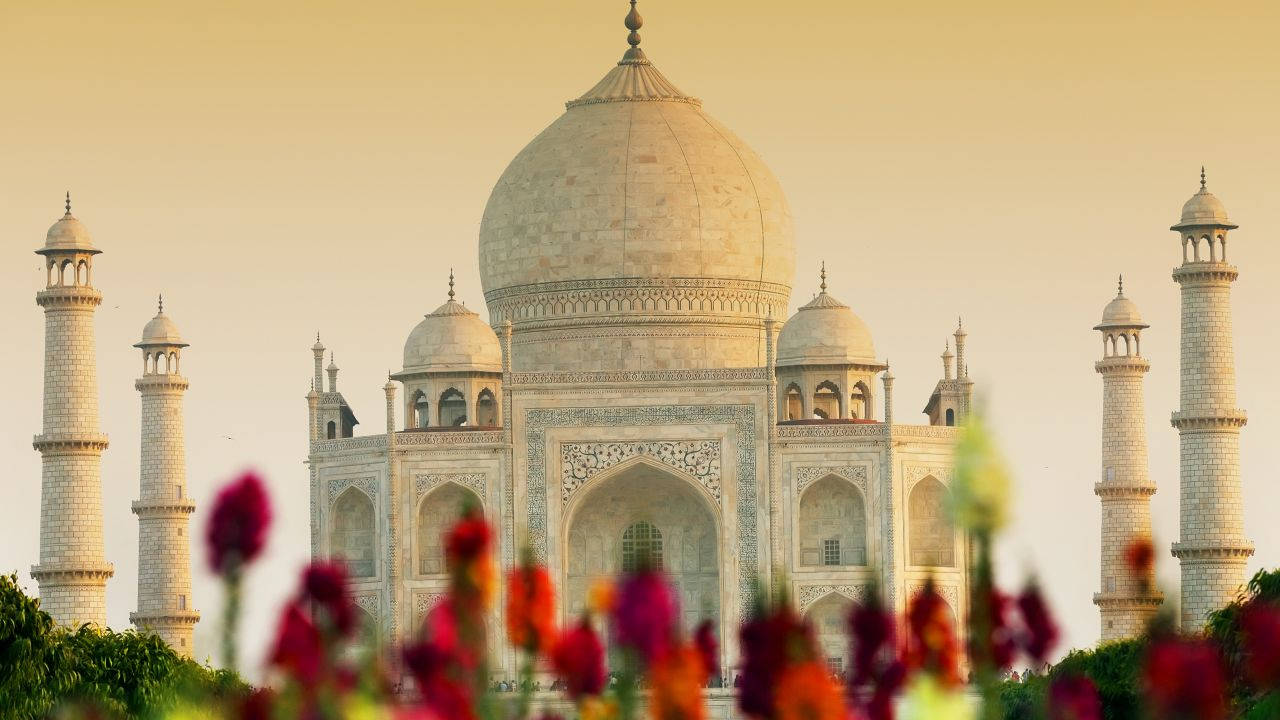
<point x="931" y="533"/>
<point x="828" y="616"/>
<point x="828" y="402"/>
<point x="860" y="401"/>
<point x="452" y="408"/>
<point x="794" y="402"/>
<point x="486" y="408"/>
<point x="352" y="533"/>
<point x="437" y="511"/>
<point x="832" y="524"/>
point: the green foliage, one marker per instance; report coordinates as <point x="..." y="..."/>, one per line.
<point x="1116" y="670"/>
<point x="1223" y="628"/>
<point x="120" y="674"/>
<point x="1024" y="700"/>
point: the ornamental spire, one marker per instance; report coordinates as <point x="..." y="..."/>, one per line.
<point x="1202" y="182"/>
<point x="823" y="275"/>
<point x="451" y="285"/>
<point x="160" y="303"/>
<point x="1120" y="286"/>
<point x="68" y="202"/>
<point x="633" y="22"/>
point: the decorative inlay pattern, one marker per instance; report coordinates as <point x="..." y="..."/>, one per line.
<point x="808" y="594"/>
<point x="467" y="437"/>
<point x="741" y="417"/>
<point x="424" y="601"/>
<point x="368" y="602"/>
<point x="856" y="474"/>
<point x="948" y="593"/>
<point x="697" y="458"/>
<point x="818" y="432"/>
<point x="913" y="474"/>
<point x="367" y="484"/>
<point x="422" y="484"/>
<point x="626" y="376"/>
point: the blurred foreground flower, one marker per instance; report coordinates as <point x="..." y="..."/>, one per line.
<point x="928" y="699"/>
<point x="1074" y="697"/>
<point x="238" y="524"/>
<point x="980" y="491"/>
<point x="677" y="679"/>
<point x="578" y="659"/>
<point x="644" y="613"/>
<point x="806" y="691"/>
<point x="878" y="673"/>
<point x="1183" y="679"/>
<point x="469" y="558"/>
<point x="779" y="662"/>
<point x="932" y="645"/>
<point x="530" y="609"/>
<point x="1260" y="626"/>
<point x="1041" y="631"/>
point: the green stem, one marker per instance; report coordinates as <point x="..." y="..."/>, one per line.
<point x="231" y="618"/>
<point x="526" y="686"/>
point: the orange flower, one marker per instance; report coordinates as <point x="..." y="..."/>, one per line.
<point x="469" y="557"/>
<point x="601" y="596"/>
<point x="806" y="691"/>
<point x="677" y="685"/>
<point x="530" y="609"/>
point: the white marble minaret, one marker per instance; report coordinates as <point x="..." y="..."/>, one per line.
<point x="163" y="506"/>
<point x="1128" y="597"/>
<point x="73" y="571"/>
<point x="1211" y="549"/>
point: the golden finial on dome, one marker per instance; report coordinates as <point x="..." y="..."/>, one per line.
<point x="68" y="202"/>
<point x="450" y="284"/>
<point x="1202" y="183"/>
<point x="160" y="303"/>
<point x="633" y="22"/>
<point x="823" y="275"/>
<point x="1120" y="286"/>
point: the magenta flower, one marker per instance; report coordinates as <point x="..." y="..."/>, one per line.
<point x="237" y="529"/>
<point x="1074" y="697"/>
<point x="1042" y="631"/>
<point x="704" y="639"/>
<point x="325" y="585"/>
<point x="644" y="614"/>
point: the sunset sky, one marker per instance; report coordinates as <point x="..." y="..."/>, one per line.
<point x="278" y="168"/>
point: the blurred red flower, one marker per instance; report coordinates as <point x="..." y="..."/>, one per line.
<point x="434" y="670"/>
<point x="469" y="558"/>
<point x="457" y="629"/>
<point x="1140" y="556"/>
<point x="677" y="680"/>
<point x="324" y="584"/>
<point x="644" y="614"/>
<point x="704" y="639"/>
<point x="1260" y="625"/>
<point x="1074" y="697"/>
<point x="1000" y="642"/>
<point x="298" y="650"/>
<point x="932" y="644"/>
<point x="770" y="644"/>
<point x="806" y="691"/>
<point x="1041" y="631"/>
<point x="1184" y="679"/>
<point x="578" y="659"/>
<point x="531" y="609"/>
<point x="238" y="523"/>
<point x="878" y="673"/>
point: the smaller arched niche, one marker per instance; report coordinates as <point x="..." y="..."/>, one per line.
<point x="486" y="409"/>
<point x="829" y="618"/>
<point x="421" y="409"/>
<point x="826" y="400"/>
<point x="439" y="510"/>
<point x="832" y="524"/>
<point x="352" y="534"/>
<point x="453" y="408"/>
<point x="931" y="531"/>
<point x="794" y="403"/>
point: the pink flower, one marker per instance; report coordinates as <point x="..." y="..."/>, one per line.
<point x="237" y="529"/>
<point x="644" y="614"/>
<point x="325" y="585"/>
<point x="435" y="671"/>
<point x="1073" y="697"/>
<point x="876" y="664"/>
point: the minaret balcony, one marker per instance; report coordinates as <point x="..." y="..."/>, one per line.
<point x="1208" y="420"/>
<point x="1205" y="271"/>
<point x="1125" y="601"/>
<point x="1210" y="551"/>
<point x="1121" y="363"/>
<point x="161" y="381"/>
<point x="1124" y="490"/>
<point x="164" y="617"/>
<point x="65" y="296"/>
<point x="69" y="443"/>
<point x="159" y="507"/>
<point x="69" y="573"/>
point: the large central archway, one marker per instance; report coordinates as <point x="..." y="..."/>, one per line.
<point x="638" y="510"/>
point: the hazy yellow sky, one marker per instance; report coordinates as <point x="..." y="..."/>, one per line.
<point x="280" y="167"/>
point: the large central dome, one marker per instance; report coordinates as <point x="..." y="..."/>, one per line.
<point x="636" y="232"/>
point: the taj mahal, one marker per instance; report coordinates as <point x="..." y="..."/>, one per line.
<point x="636" y="389"/>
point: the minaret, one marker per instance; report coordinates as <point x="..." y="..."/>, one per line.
<point x="163" y="507"/>
<point x="1128" y="599"/>
<point x="73" y="570"/>
<point x="1211" y="549"/>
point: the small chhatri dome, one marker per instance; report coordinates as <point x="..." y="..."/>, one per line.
<point x="68" y="235"/>
<point x="1121" y="312"/>
<point x="825" y="332"/>
<point x="452" y="338"/>
<point x="160" y="331"/>
<point x="333" y="364"/>
<point x="1204" y="208"/>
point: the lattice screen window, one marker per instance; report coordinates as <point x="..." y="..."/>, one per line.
<point x="641" y="543"/>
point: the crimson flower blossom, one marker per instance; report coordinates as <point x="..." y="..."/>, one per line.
<point x="1074" y="697"/>
<point x="1184" y="679"/>
<point x="644" y="614"/>
<point x="1260" y="625"/>
<point x="237" y="529"/>
<point x="1042" y="631"/>
<point x="325" y="585"/>
<point x="578" y="659"/>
